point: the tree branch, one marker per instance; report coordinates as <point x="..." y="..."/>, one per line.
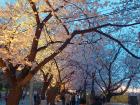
<point x="2" y="63"/>
<point x="61" y="42"/>
<point x="59" y="72"/>
<point x="64" y="45"/>
<point x="53" y="12"/>
<point x="39" y="28"/>
<point x="35" y="11"/>
<point x="102" y="79"/>
<point x="118" y="42"/>
<point x="126" y="88"/>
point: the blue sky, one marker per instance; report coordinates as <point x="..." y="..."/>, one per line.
<point x="3" y="2"/>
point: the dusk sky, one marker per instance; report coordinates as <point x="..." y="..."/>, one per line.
<point x="2" y="2"/>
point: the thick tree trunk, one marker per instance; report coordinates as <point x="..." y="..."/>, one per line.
<point x="14" y="96"/>
<point x="51" y="98"/>
<point x="51" y="95"/>
<point x="108" y="98"/>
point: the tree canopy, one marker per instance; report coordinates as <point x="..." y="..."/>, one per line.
<point x="34" y="32"/>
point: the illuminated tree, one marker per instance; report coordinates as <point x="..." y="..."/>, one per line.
<point x="23" y="36"/>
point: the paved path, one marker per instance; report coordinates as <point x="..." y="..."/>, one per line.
<point x="25" y="102"/>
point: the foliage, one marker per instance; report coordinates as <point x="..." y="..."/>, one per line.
<point x="34" y="32"/>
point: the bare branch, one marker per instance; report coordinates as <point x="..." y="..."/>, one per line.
<point x="123" y="91"/>
<point x="114" y="58"/>
<point x="100" y="86"/>
<point x="64" y="45"/>
<point x="61" y="42"/>
<point x="102" y="78"/>
<point x="59" y="71"/>
<point x="118" y="42"/>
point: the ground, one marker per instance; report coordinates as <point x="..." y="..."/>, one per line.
<point x="25" y="102"/>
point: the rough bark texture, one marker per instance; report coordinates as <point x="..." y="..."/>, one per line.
<point x="14" y="95"/>
<point x="16" y="89"/>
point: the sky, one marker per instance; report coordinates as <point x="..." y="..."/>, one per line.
<point x="3" y="2"/>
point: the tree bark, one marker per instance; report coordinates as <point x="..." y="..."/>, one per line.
<point x="51" y="95"/>
<point x="108" y="97"/>
<point x="43" y="92"/>
<point x="46" y="83"/>
<point x="93" y="83"/>
<point x="14" y="95"/>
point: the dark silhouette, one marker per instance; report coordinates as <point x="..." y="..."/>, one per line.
<point x="82" y="101"/>
<point x="36" y="99"/>
<point x="63" y="99"/>
<point x="132" y="100"/>
<point x="0" y="95"/>
<point x="73" y="99"/>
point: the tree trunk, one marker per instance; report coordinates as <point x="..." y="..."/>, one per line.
<point x="46" y="84"/>
<point x="108" y="98"/>
<point x="85" y="89"/>
<point x="43" y="92"/>
<point x="51" y="95"/>
<point x="92" y="90"/>
<point x="14" y="96"/>
<point x="51" y="99"/>
<point x="52" y="102"/>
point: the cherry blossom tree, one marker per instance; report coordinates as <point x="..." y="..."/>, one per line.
<point x="33" y="27"/>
